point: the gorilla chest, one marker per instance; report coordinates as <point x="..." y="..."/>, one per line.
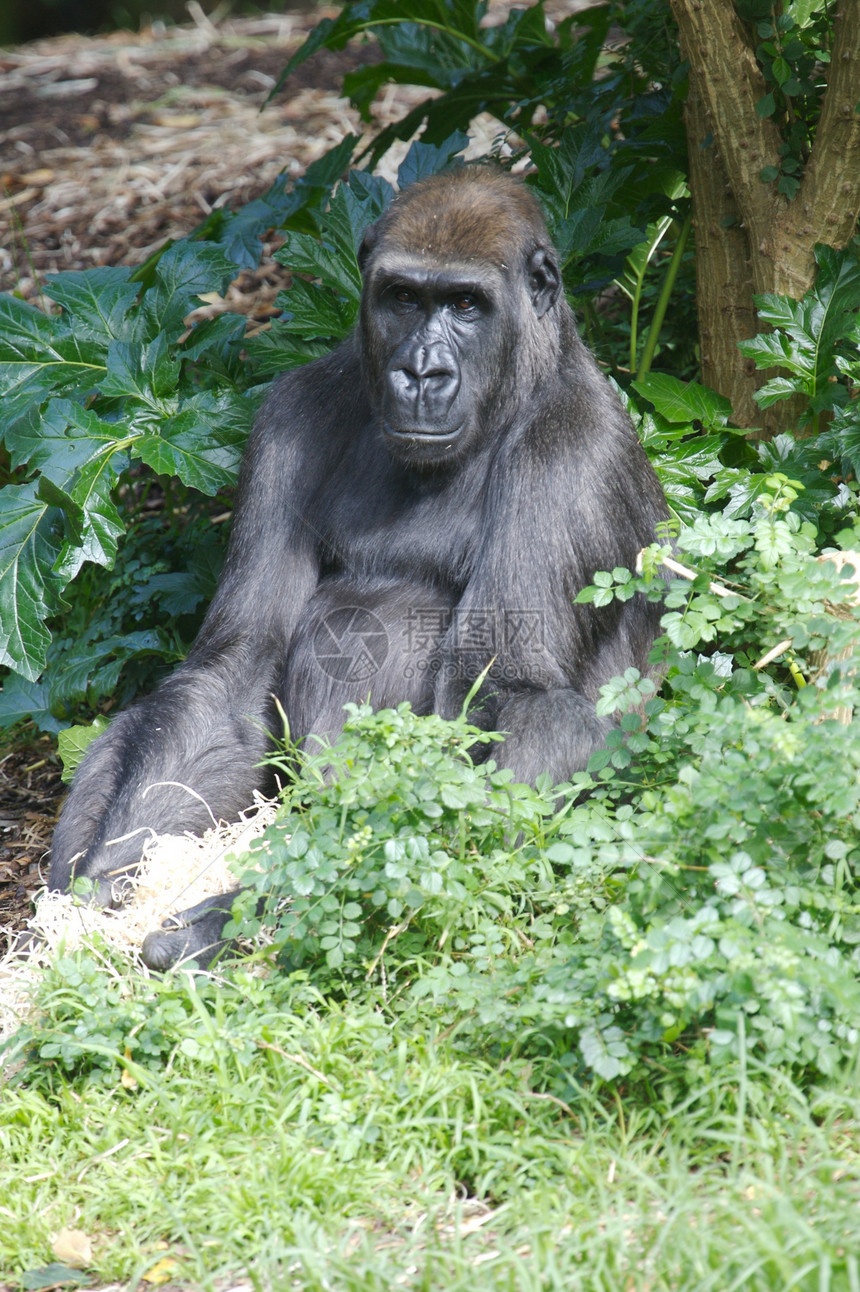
<point x="423" y="532"/>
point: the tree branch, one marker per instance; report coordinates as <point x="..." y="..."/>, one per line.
<point x="828" y="202"/>
<point x="724" y="283"/>
<point x="730" y="83"/>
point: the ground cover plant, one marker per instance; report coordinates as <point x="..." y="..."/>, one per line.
<point x="598" y="1036"/>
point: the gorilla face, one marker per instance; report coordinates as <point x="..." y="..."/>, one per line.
<point x="439" y="343"/>
<point x="447" y="330"/>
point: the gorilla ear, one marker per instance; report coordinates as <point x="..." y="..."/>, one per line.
<point x="368" y="242"/>
<point x="544" y="280"/>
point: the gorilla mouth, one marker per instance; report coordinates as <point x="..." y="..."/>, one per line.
<point x="422" y="434"/>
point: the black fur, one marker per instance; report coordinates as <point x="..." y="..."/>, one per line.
<point x="435" y="491"/>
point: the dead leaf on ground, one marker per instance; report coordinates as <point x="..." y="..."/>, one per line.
<point x="73" y="1247"/>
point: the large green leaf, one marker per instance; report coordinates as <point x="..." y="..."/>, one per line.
<point x="313" y="311"/>
<point x="131" y="374"/>
<point x="186" y="270"/>
<point x="280" y="348"/>
<point x="202" y="443"/>
<point x="29" y="590"/>
<point x="34" y="366"/>
<point x="325" y="260"/>
<point x="99" y="300"/>
<point x="101" y="525"/>
<point x="20" y="699"/>
<point x="25" y="332"/>
<point x="684" y="401"/>
<point x="48" y="443"/>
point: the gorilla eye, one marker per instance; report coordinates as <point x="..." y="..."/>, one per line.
<point x="465" y="301"/>
<point x="404" y="296"/>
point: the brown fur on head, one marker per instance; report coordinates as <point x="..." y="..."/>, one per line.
<point x="471" y="213"/>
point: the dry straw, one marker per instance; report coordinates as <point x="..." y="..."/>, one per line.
<point x="177" y="872"/>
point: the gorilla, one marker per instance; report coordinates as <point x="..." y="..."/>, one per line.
<point x="419" y="506"/>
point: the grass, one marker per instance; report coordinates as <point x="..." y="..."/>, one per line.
<point x="264" y="1134"/>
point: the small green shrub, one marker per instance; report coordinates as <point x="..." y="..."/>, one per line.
<point x="394" y="845"/>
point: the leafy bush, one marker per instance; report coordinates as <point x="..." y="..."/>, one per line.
<point x="110" y="382"/>
<point x="394" y="834"/>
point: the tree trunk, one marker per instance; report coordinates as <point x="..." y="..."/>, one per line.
<point x="749" y="237"/>
<point x="723" y="276"/>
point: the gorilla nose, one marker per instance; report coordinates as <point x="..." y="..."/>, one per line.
<point x="433" y="385"/>
<point x="424" y="389"/>
<point x="424" y="367"/>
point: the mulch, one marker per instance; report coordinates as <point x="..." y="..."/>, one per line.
<point x="30" y="790"/>
<point x="110" y="145"/>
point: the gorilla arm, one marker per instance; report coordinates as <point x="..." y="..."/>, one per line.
<point x="189" y="751"/>
<point x="564" y="502"/>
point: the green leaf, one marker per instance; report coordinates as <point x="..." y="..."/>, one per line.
<point x="775" y="348"/>
<point x="606" y="1052"/>
<point x="684" y="402"/>
<point x="243" y="230"/>
<point x="40" y="357"/>
<point x="25" y="332"/>
<point x="781" y="71"/>
<point x="334" y="263"/>
<point x="222" y="336"/>
<point x="100" y="523"/>
<point x="54" y="1275"/>
<point x="202" y="443"/>
<point x="278" y="348"/>
<point x="313" y="311"/>
<point x="98" y="300"/>
<point x="126" y="376"/>
<point x="20" y="699"/>
<point x="73" y="742"/>
<point x="560" y="853"/>
<point x="837" y="289"/>
<point x="803" y="12"/>
<point x="776" y="389"/>
<point x="425" y="159"/>
<point x="29" y="591"/>
<point x="48" y="442"/>
<point x="322" y="175"/>
<point x="184" y="272"/>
